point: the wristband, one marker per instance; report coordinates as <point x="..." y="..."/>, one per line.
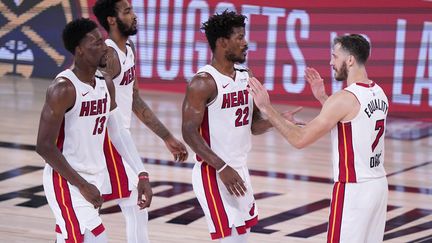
<point x="222" y="168"/>
<point x="143" y="177"/>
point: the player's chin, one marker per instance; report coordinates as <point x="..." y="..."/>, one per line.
<point x="242" y="60"/>
<point x="133" y="30"/>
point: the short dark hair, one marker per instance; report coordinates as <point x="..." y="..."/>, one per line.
<point x="75" y="31"/>
<point x="104" y="9"/>
<point x="356" y="45"/>
<point x="221" y="25"/>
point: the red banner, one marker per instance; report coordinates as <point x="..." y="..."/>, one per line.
<point x="287" y="36"/>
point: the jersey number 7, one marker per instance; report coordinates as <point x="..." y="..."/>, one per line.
<point x="379" y="126"/>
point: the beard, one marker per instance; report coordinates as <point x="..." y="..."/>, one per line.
<point x="230" y="56"/>
<point x="233" y="58"/>
<point x="342" y="74"/>
<point x="124" y="29"/>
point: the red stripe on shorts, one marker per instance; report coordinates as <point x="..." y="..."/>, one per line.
<point x="214" y="202"/>
<point x="117" y="172"/>
<point x="335" y="219"/>
<point x="64" y="200"/>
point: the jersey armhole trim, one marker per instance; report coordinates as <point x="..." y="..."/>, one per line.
<point x="72" y="108"/>
<point x="217" y="89"/>
<point x="359" y="111"/>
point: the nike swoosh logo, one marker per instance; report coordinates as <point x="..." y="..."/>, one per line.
<point x="84" y="94"/>
<point x="224" y="86"/>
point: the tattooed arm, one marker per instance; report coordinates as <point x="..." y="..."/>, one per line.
<point x="146" y="115"/>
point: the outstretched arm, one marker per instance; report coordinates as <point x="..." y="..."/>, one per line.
<point x="60" y="97"/>
<point x="261" y="125"/>
<point x="334" y="110"/>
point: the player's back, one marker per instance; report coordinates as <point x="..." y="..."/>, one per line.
<point x="358" y="145"/>
<point x="82" y="132"/>
<point x="226" y="125"/>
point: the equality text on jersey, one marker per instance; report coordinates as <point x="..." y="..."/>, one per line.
<point x="94" y="107"/>
<point x="374" y="105"/>
<point x="235" y="99"/>
<point x="128" y="76"/>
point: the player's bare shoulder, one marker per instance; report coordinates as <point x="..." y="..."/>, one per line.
<point x="61" y="92"/>
<point x="342" y="104"/>
<point x="202" y="86"/>
<point x="202" y="81"/>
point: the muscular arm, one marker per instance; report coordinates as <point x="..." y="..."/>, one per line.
<point x="60" y="96"/>
<point x="335" y="109"/>
<point x="145" y="114"/>
<point x="200" y="90"/>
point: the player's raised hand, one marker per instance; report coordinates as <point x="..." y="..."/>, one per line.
<point x="91" y="194"/>
<point x="232" y="180"/>
<point x="144" y="189"/>
<point x="177" y="148"/>
<point x="259" y="94"/>
<point x="316" y="83"/>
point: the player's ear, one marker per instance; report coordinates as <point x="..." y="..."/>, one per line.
<point x="111" y="20"/>
<point x="351" y="60"/>
<point x="78" y="50"/>
<point x="222" y="42"/>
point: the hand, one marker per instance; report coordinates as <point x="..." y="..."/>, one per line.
<point x="316" y="83"/>
<point x="144" y="188"/>
<point x="289" y="115"/>
<point x="233" y="182"/>
<point x="91" y="194"/>
<point x="177" y="149"/>
<point x="259" y="94"/>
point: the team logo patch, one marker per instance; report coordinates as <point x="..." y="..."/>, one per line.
<point x="30" y="36"/>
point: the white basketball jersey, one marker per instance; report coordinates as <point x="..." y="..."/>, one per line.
<point x="82" y="133"/>
<point x="124" y="81"/>
<point x="358" y="145"/>
<point x="226" y="126"/>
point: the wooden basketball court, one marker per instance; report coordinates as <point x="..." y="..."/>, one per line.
<point x="292" y="186"/>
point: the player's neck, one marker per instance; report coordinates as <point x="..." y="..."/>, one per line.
<point x="84" y="73"/>
<point x="225" y="67"/>
<point x="119" y="39"/>
<point x="358" y="76"/>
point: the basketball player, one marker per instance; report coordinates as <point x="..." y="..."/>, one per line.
<point x="119" y="20"/>
<point x="80" y="106"/>
<point x="356" y="117"/>
<point x="218" y="120"/>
